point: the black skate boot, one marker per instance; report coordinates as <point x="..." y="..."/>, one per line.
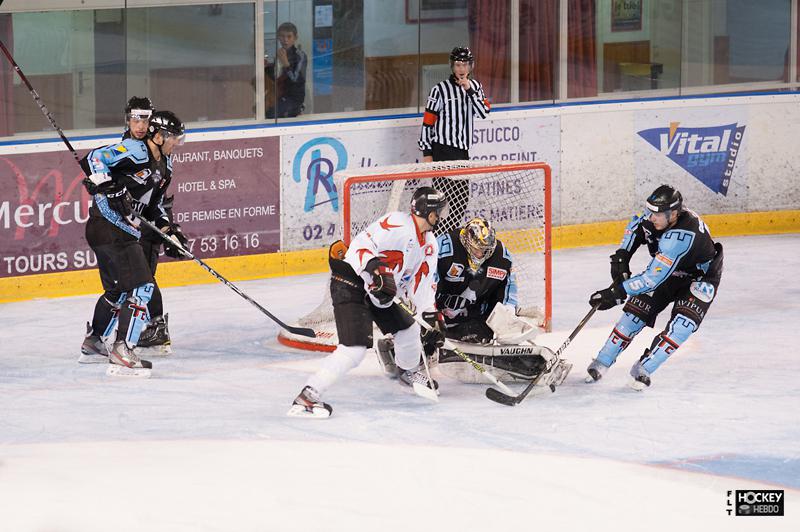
<point x="308" y="404"/>
<point x="125" y="363"/>
<point x="93" y="349"/>
<point x="155" y="338"/>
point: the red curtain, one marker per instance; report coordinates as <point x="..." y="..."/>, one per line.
<point x="490" y="43"/>
<point x="581" y="49"/>
<point x="6" y="79"/>
<point x="538" y="54"/>
<point x="538" y="46"/>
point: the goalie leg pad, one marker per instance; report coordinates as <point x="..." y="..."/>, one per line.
<point x="385" y="352"/>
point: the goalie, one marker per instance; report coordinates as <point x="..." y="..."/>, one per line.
<point x="476" y="298"/>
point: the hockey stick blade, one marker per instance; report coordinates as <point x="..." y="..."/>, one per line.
<point x="511" y="400"/>
<point x="425" y="392"/>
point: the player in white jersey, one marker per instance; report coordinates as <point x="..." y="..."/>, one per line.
<point x="394" y="256"/>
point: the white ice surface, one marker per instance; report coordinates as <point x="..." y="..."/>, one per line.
<point x="204" y="445"/>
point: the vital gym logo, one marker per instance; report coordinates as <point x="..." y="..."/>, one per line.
<point x="708" y="153"/>
<point x="755" y="503"/>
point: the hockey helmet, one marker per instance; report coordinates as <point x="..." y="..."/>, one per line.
<point x="427" y="200"/>
<point x="479" y="239"/>
<point x="463" y="55"/>
<point x="139" y="108"/>
<point x="168" y="124"/>
<point x="663" y="199"/>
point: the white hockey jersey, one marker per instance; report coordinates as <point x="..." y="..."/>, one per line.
<point x="410" y="255"/>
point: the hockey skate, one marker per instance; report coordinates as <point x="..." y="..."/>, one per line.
<point x="641" y="377"/>
<point x="125" y="363"/>
<point x="595" y="370"/>
<point x="417" y="378"/>
<point x="93" y="349"/>
<point x="155" y="340"/>
<point x="308" y="405"/>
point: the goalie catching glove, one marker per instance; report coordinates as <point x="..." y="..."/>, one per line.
<point x="175" y="234"/>
<point x="383" y="287"/>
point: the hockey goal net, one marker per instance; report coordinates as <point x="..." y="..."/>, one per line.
<point x="514" y="197"/>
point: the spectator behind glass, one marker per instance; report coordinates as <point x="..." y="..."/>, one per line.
<point x="290" y="83"/>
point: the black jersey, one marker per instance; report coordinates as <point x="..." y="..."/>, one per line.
<point x="683" y="250"/>
<point x="493" y="283"/>
<point x="131" y="164"/>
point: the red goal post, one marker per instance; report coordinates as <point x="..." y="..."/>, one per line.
<point x="516" y="198"/>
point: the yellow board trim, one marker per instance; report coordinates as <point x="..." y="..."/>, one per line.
<point x="315" y="261"/>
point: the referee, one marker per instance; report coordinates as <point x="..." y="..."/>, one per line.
<point x="446" y="132"/>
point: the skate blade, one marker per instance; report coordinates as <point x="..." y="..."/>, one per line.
<point x="318" y="412"/>
<point x="86" y="358"/>
<point x="636" y="385"/>
<point x="560" y="373"/>
<point x="154" y="351"/>
<point x="115" y="370"/>
<point x="425" y="392"/>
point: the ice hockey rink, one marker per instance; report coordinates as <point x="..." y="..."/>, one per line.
<point x="205" y="444"/>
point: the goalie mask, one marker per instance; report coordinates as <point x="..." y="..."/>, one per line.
<point x="479" y="239"/>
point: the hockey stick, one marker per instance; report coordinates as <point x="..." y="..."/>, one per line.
<point x="511" y="399"/>
<point x="303" y="331"/>
<point x="449" y="345"/>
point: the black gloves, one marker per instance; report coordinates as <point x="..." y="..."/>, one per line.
<point x="383" y="287"/>
<point x="608" y="298"/>
<point x="175" y="233"/>
<point x="118" y="198"/>
<point x="433" y="337"/>
<point x="620" y="266"/>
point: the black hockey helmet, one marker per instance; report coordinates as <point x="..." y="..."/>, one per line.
<point x="139" y="108"/>
<point x="427" y="200"/>
<point x="462" y="54"/>
<point x="479" y="239"/>
<point x="168" y="124"/>
<point x="663" y="199"/>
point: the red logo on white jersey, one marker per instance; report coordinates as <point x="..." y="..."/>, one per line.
<point x="394" y="259"/>
<point x="423" y="270"/>
<point x="386" y="225"/>
<point x="496" y="273"/>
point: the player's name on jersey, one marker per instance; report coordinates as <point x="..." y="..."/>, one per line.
<point x="250" y="211"/>
<point x="217" y="155"/>
<point x="203" y="186"/>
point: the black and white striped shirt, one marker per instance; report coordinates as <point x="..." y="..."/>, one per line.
<point x="449" y="113"/>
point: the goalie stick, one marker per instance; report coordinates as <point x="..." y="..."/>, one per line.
<point x="303" y="331"/>
<point x="449" y="345"/>
<point x="509" y="399"/>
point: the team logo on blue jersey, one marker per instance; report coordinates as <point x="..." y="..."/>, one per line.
<point x="708" y="153"/>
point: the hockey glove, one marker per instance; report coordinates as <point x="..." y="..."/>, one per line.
<point x="176" y="235"/>
<point x="620" y="266"/>
<point x="383" y="287"/>
<point x="608" y="298"/>
<point x="433" y="337"/>
<point x="118" y="199"/>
